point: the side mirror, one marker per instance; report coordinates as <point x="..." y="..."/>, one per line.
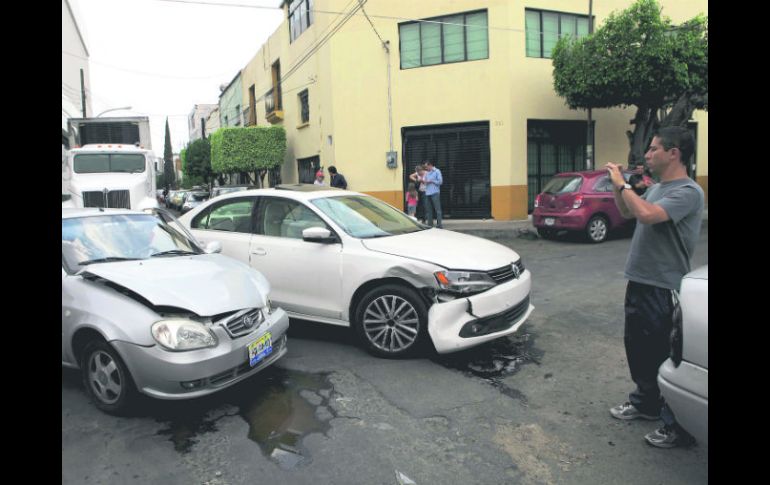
<point x="213" y="247"/>
<point x="317" y="234"/>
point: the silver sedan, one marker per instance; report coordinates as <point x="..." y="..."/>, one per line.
<point x="146" y="310"/>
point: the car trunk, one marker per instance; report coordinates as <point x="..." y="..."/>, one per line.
<point x="559" y="194"/>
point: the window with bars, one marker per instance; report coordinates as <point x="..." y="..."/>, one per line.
<point x="444" y="40"/>
<point x="544" y="29"/>
<point x="304" y="107"/>
<point x="300" y="17"/>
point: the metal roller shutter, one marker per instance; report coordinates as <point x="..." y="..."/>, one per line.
<point x="461" y="152"/>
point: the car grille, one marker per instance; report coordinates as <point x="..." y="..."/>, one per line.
<point x="119" y="199"/>
<point x="243" y="322"/>
<point x="495" y="323"/>
<point x="506" y="273"/>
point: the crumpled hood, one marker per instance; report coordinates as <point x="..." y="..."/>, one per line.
<point x="206" y="284"/>
<point x="452" y="250"/>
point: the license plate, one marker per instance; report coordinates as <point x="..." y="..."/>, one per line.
<point x="549" y="221"/>
<point x="260" y="348"/>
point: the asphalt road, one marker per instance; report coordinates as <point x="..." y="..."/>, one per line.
<point x="531" y="409"/>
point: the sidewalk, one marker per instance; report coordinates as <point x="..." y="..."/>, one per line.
<point x="490" y="228"/>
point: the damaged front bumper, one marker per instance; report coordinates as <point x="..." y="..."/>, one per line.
<point x="184" y="375"/>
<point x="469" y="321"/>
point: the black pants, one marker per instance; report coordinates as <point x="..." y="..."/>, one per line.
<point x="649" y="312"/>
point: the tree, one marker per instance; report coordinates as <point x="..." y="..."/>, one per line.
<point x="637" y="58"/>
<point x="168" y="160"/>
<point x="197" y="161"/>
<point x="254" y="150"/>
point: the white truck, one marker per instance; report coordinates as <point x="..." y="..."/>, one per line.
<point x="114" y="167"/>
<point x="106" y="175"/>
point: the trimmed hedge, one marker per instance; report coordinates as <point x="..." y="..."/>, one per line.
<point x="247" y="149"/>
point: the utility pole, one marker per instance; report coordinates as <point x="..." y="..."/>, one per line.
<point x="589" y="128"/>
<point x="83" y="92"/>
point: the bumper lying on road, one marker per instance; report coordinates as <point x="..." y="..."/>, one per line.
<point x="161" y="374"/>
<point x="470" y="321"/>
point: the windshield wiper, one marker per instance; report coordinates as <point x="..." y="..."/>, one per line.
<point x="174" y="252"/>
<point x="106" y="260"/>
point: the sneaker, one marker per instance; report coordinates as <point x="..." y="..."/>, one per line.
<point x="668" y="437"/>
<point x="628" y="411"/>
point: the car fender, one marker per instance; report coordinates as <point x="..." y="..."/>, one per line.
<point x="115" y="315"/>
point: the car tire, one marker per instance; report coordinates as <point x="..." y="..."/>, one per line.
<point x="392" y="321"/>
<point x="106" y="378"/>
<point x="597" y="229"/>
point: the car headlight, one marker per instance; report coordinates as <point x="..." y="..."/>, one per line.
<point x="180" y="334"/>
<point x="464" y="282"/>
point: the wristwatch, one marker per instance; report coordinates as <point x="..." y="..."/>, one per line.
<point x="624" y="187"/>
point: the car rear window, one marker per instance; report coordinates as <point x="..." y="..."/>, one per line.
<point x="563" y="185"/>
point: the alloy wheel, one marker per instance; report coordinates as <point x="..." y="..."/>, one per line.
<point x="104" y="377"/>
<point x="391" y="323"/>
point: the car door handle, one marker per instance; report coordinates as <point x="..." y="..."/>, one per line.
<point x="259" y="251"/>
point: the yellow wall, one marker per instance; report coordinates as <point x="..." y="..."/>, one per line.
<point x="348" y="92"/>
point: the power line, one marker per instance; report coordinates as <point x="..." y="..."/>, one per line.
<point x="145" y="73"/>
<point x="372" y="24"/>
<point x="389" y="17"/>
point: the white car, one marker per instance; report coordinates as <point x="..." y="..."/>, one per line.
<point x="346" y="258"/>
<point x="684" y="377"/>
<point x="146" y="310"/>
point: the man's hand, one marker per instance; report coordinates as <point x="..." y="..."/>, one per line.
<point x="615" y="176"/>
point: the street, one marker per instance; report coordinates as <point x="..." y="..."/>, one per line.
<point x="531" y="409"/>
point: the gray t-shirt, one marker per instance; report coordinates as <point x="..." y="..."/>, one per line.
<point x="659" y="256"/>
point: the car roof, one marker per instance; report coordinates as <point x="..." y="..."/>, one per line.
<point x="68" y="212"/>
<point x="296" y="193"/>
<point x="588" y="173"/>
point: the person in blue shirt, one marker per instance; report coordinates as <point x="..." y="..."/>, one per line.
<point x="433" y="181"/>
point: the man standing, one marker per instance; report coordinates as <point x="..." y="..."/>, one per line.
<point x="433" y="181"/>
<point x="668" y="224"/>
<point x="338" y="180"/>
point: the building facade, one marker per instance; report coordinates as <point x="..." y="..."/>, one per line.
<point x="470" y="87"/>
<point x="231" y="104"/>
<point x="74" y="61"/>
<point x="196" y="121"/>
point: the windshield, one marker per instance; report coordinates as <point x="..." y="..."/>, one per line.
<point x="119" y="237"/>
<point x="366" y="217"/>
<point x="109" y="162"/>
<point x="563" y="185"/>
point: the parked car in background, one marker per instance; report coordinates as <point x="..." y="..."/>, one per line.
<point x="193" y="199"/>
<point x="177" y="199"/>
<point x="147" y="310"/>
<point x="226" y="189"/>
<point x="581" y="202"/>
<point x="684" y="378"/>
<point x="348" y="259"/>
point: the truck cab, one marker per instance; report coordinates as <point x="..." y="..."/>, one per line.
<point x="110" y="175"/>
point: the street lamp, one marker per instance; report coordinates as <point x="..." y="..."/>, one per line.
<point x="113" y="109"/>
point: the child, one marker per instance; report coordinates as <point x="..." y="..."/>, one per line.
<point x="412" y="198"/>
<point x="418" y="177"/>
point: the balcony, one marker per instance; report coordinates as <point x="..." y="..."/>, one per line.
<point x="273" y="107"/>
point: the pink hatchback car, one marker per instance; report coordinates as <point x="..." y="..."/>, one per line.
<point x="580" y="202"/>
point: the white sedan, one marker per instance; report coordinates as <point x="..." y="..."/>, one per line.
<point x="346" y="258"/>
